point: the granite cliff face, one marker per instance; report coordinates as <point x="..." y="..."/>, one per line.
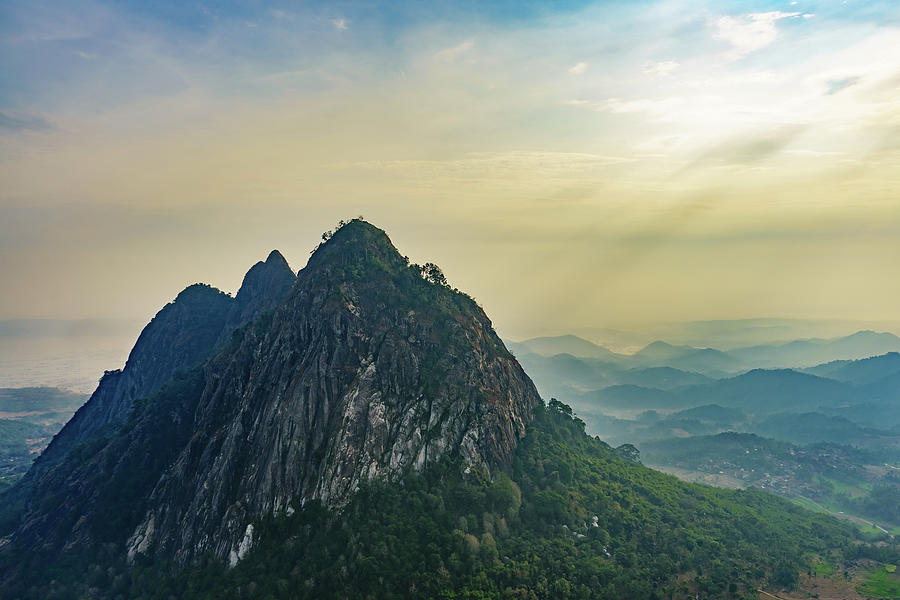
<point x="366" y="369"/>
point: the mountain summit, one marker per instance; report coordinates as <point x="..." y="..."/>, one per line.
<point x="366" y="368"/>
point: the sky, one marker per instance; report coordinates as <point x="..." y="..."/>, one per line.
<point x="569" y="164"/>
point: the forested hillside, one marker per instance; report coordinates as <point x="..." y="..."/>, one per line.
<point x="573" y="519"/>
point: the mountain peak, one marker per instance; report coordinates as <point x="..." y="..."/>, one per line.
<point x="870" y="334"/>
<point x="660" y="349"/>
<point x="263" y="288"/>
<point x="658" y="344"/>
<point x="362" y="367"/>
<point x="198" y="292"/>
<point x="274" y="274"/>
<point x="356" y="243"/>
<point x="276" y="259"/>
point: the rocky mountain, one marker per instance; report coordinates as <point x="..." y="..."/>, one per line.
<point x="180" y="336"/>
<point x="263" y="288"/>
<point x="367" y="369"/>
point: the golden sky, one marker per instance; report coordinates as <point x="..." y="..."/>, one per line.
<point x="570" y="166"/>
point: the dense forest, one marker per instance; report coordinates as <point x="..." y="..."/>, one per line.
<point x="574" y="518"/>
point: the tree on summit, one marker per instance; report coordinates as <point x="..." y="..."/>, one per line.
<point x="431" y="272"/>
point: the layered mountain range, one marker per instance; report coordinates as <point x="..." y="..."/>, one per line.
<point x="301" y="388"/>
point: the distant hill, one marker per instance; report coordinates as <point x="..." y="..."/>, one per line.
<point x="795" y="354"/>
<point x="885" y="389"/>
<point x="572" y="363"/>
<point x="727" y="334"/>
<point x="711" y="413"/>
<point x="707" y="361"/>
<point x="766" y="391"/>
<point x="561" y="372"/>
<point x="862" y="371"/>
<point x="808" y="353"/>
<point x="662" y="378"/>
<point x="633" y="397"/>
<point x="660" y="350"/>
<point x="812" y="427"/>
<point x="756" y="392"/>
<point x="564" y="344"/>
<point x="741" y="333"/>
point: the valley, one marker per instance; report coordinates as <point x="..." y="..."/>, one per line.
<point x="826" y="435"/>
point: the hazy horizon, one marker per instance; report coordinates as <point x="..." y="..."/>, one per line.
<point x="73" y="353"/>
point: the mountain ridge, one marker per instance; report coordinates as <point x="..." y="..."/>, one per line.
<point x="183" y="333"/>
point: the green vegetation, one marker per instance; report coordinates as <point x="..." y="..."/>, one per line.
<point x="573" y="519"/>
<point x="822" y="568"/>
<point x="831" y="477"/>
<point x="881" y="583"/>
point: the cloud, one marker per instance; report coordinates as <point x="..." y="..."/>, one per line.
<point x="750" y="148"/>
<point x="750" y="32"/>
<point x="579" y="68"/>
<point x="454" y="52"/>
<point x="225" y="119"/>
<point x="658" y="108"/>
<point x="660" y="69"/>
<point x="836" y="85"/>
<point x="15" y="122"/>
<point x="491" y="165"/>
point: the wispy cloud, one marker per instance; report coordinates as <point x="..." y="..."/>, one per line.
<point x="751" y="148"/>
<point x="579" y="120"/>
<point x="16" y="122"/>
<point x="454" y="52"/>
<point x="661" y="69"/>
<point x="749" y="33"/>
<point x="578" y="68"/>
<point x="836" y="85"/>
